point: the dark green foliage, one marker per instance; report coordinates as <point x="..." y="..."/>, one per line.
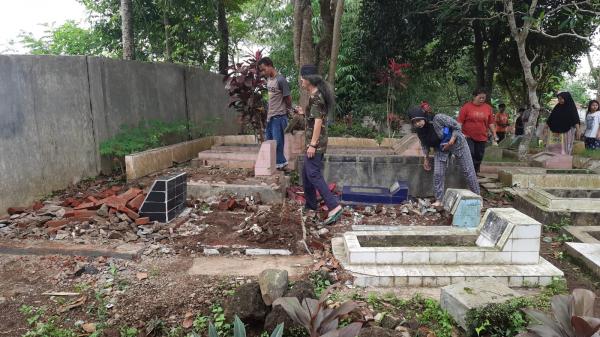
<point x="356" y="130"/>
<point x="147" y="135"/>
<point x="508" y="319"/>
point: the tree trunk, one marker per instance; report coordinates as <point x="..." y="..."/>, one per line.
<point x="127" y="29"/>
<point x="303" y="39"/>
<point x="323" y="49"/>
<point x="595" y="72"/>
<point x="520" y="37"/>
<point x="167" y="25"/>
<point x="478" y="54"/>
<point x="336" y="41"/>
<point x="224" y="37"/>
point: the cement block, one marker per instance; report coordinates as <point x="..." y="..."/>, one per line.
<point x="126" y="251"/>
<point x="265" y="162"/>
<point x="459" y="298"/>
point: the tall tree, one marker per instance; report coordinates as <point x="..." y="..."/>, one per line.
<point x="336" y="41"/>
<point x="223" y="37"/>
<point x="127" y="29"/>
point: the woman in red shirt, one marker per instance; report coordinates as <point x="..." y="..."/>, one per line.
<point x="476" y="118"/>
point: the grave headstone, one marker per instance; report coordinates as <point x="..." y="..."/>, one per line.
<point x="464" y="205"/>
<point x="492" y="230"/>
<point x="166" y="198"/>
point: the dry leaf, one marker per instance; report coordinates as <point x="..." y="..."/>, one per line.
<point x="141" y="276"/>
<point x="89" y="327"/>
<point x="73" y="304"/>
<point x="188" y="322"/>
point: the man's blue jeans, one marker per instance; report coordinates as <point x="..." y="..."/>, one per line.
<point x="275" y="131"/>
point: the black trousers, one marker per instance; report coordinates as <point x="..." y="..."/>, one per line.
<point x="477" y="150"/>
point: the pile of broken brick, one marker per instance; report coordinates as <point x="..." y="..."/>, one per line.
<point x="108" y="215"/>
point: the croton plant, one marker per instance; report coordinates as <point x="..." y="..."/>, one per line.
<point x="246" y="89"/>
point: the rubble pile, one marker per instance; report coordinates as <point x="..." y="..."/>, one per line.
<point x="109" y="214"/>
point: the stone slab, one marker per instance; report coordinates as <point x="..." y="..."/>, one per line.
<point x="528" y="177"/>
<point x="267" y="193"/>
<point x="588" y="253"/>
<point x="127" y="251"/>
<point x="461" y="297"/>
<point x="582" y="233"/>
<point x="552" y="160"/>
<point x="249" y="266"/>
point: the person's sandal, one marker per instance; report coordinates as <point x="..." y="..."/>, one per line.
<point x="335" y="217"/>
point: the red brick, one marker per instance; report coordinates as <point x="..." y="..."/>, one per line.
<point x="57" y="223"/>
<point x="142" y="221"/>
<point x="106" y="193"/>
<point x="136" y="202"/>
<point x="15" y="210"/>
<point x="130" y="194"/>
<point x="67" y="202"/>
<point x="81" y="213"/>
<point x="116" y="188"/>
<point x="87" y="205"/>
<point x="112" y="211"/>
<point x="131" y="214"/>
<point x="92" y="199"/>
<point x="113" y="202"/>
<point x="37" y="206"/>
<point x="53" y="230"/>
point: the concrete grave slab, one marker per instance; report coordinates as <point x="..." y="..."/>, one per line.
<point x="461" y="297"/>
<point x="267" y="193"/>
<point x="587" y="253"/>
<point x="552" y="160"/>
<point x="529" y="177"/>
<point x="249" y="266"/>
<point x="127" y="251"/>
<point x="585" y="234"/>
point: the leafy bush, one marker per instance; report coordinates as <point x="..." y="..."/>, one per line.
<point x="356" y="130"/>
<point x="239" y="330"/>
<point x="146" y="135"/>
<point x="507" y="319"/>
<point x="572" y="316"/>
<point x="317" y="318"/>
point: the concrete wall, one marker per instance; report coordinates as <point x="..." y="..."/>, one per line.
<point x="382" y="171"/>
<point x="55" y="111"/>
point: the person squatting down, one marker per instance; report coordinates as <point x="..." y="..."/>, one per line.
<point x="444" y="135"/>
<point x="321" y="104"/>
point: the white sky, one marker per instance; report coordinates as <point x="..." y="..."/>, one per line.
<point x="28" y="15"/>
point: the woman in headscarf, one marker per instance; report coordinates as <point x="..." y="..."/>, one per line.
<point x="321" y="104"/>
<point x="592" y="126"/>
<point x="444" y="135"/>
<point x="564" y="122"/>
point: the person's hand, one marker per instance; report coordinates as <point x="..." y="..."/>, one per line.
<point x="299" y="110"/>
<point x="310" y="152"/>
<point x="427" y="164"/>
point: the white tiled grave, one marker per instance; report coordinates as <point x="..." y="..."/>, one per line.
<point x="505" y="245"/>
<point x="588" y="253"/>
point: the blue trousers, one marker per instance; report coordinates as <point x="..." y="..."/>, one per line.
<point x="313" y="181"/>
<point x="275" y="131"/>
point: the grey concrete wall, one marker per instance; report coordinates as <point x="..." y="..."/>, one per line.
<point x="55" y="111"/>
<point x="383" y="171"/>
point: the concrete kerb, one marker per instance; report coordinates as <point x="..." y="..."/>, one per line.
<point x="126" y="251"/>
<point x="268" y="194"/>
<point x="587" y="253"/>
<point x="141" y="164"/>
<point x="582" y="233"/>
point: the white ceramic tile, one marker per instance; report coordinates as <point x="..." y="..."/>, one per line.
<point x="442" y="257"/>
<point x="415" y="257"/>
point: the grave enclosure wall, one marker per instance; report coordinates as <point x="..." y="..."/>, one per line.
<point x="56" y="110"/>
